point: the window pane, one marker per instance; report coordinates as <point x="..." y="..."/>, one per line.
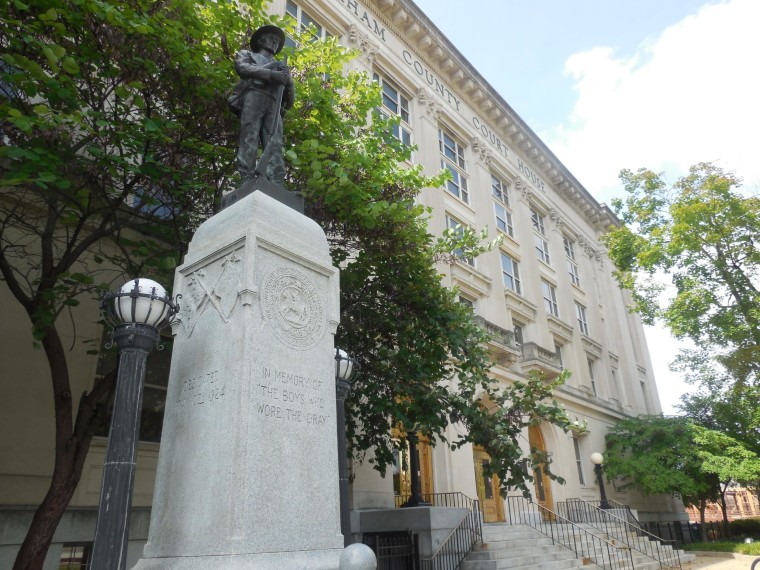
<point x="510" y="273"/>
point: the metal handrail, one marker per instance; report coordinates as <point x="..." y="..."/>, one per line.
<point x="458" y="544"/>
<point x="455" y="500"/>
<point x="605" y="520"/>
<point x="585" y="544"/>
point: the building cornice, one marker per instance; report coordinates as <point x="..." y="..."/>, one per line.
<point x="416" y="30"/>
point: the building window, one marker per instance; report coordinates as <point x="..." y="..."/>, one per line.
<point x="591" y="375"/>
<point x="518" y="327"/>
<point x="542" y="249"/>
<point x="510" y="273"/>
<point x="550" y="298"/>
<point x="76" y="556"/>
<point x="542" y="246"/>
<point x="558" y="352"/>
<point x="538" y="222"/>
<point x="499" y="190"/>
<point x="304" y="21"/>
<point x="572" y="266"/>
<point x="578" y="461"/>
<point x="466" y="302"/>
<point x="580" y="313"/>
<point x="645" y="394"/>
<point x="395" y="104"/>
<point x="452" y="159"/>
<point x="503" y="219"/>
<point x="458" y="228"/>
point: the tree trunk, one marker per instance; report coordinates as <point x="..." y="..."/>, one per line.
<point x="724" y="509"/>
<point x="31" y="555"/>
<point x="72" y="442"/>
<point x="702" y="527"/>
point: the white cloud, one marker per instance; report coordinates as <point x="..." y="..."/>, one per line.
<point x="689" y="95"/>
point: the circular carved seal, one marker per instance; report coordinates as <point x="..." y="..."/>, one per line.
<point x="292" y="307"/>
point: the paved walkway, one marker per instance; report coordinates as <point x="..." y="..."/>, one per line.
<point x="721" y="561"/>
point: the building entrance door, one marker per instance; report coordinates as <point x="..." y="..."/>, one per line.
<point x="491" y="503"/>
<point x="541" y="481"/>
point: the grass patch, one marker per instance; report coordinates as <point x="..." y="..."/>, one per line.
<point x="752" y="549"/>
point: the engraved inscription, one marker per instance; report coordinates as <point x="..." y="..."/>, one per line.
<point x="202" y="390"/>
<point x="290" y="397"/>
<point x="292" y="307"/>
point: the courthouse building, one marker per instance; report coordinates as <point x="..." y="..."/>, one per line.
<point x="546" y="294"/>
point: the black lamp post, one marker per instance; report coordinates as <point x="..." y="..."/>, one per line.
<point x="345" y="371"/>
<point x="136" y="313"/>
<point x="416" y="499"/>
<point x="598" y="460"/>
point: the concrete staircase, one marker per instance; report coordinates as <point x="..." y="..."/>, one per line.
<point x="522" y="547"/>
<point x="518" y="547"/>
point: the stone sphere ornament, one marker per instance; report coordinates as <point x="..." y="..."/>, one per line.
<point x="357" y="557"/>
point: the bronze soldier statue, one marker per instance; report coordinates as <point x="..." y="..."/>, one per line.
<point x="263" y="94"/>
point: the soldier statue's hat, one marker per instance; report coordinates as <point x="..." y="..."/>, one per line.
<point x="264" y="30"/>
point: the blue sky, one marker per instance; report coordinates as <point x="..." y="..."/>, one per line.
<point x="520" y="46"/>
<point x="613" y="84"/>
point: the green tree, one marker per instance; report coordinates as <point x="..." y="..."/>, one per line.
<point x="112" y="121"/>
<point x="722" y="402"/>
<point x="728" y="460"/>
<point x="702" y="234"/>
<point x="673" y="455"/>
<point x="656" y="455"/>
<point x="118" y="143"/>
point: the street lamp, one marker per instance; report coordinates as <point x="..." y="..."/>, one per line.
<point x="345" y="371"/>
<point x="598" y="460"/>
<point x="415" y="498"/>
<point x="136" y="312"/>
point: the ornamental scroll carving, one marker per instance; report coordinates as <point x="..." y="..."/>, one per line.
<point x="432" y="107"/>
<point x="556" y="217"/>
<point x="362" y="41"/>
<point x="481" y="151"/>
<point x="214" y="287"/>
<point x="522" y="188"/>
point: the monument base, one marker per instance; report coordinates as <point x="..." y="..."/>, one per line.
<point x="292" y="199"/>
<point x="247" y="476"/>
<point x="304" y="560"/>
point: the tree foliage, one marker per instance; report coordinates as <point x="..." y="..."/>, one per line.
<point x="657" y="455"/>
<point x="721" y="402"/>
<point x="673" y="455"/>
<point x="118" y="143"/>
<point x="115" y="143"/>
<point x="702" y="233"/>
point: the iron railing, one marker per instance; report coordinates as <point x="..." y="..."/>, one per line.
<point x="686" y="532"/>
<point x="456" y="546"/>
<point x="453" y="550"/>
<point x="450" y="500"/>
<point x="588" y="546"/>
<point x="394" y="550"/>
<point x="615" y="524"/>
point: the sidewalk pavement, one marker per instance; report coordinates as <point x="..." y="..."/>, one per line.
<point x="721" y="561"/>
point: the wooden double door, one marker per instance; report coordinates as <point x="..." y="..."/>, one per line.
<point x="541" y="482"/>
<point x="491" y="503"/>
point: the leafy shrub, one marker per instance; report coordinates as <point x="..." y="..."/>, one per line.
<point x="746" y="527"/>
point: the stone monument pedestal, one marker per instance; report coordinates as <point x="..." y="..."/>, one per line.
<point x="248" y="470"/>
